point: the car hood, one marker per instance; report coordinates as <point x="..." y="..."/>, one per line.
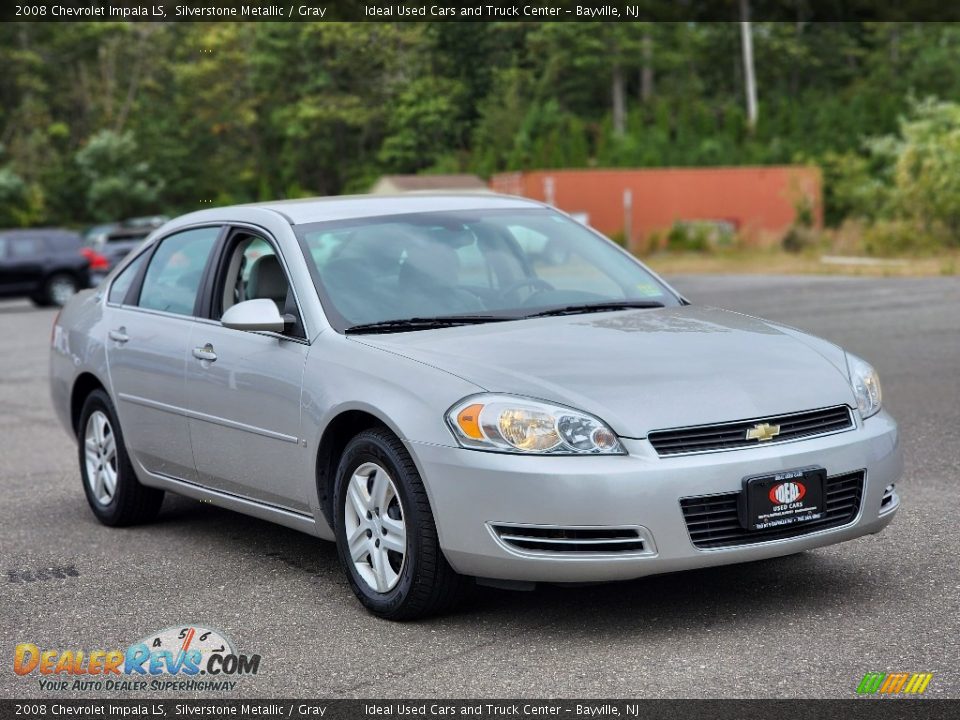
<point x="641" y="370"/>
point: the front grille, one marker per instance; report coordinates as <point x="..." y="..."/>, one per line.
<point x="727" y="436"/>
<point x="570" y="540"/>
<point x="712" y="520"/>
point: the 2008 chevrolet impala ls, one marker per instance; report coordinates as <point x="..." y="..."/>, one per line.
<point x="461" y="386"/>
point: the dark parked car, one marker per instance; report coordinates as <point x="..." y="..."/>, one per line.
<point x="109" y="244"/>
<point x="45" y="265"/>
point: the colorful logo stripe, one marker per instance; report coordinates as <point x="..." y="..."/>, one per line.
<point x="894" y="683"/>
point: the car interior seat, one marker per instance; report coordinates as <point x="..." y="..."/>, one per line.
<point x="267" y="280"/>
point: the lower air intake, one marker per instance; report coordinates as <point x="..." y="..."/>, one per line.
<point x="570" y="540"/>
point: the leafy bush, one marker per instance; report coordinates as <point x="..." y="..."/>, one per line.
<point x="799" y="238"/>
<point x="620" y="238"/>
<point x="927" y="168"/>
<point x="907" y="184"/>
<point x="902" y="237"/>
<point x="700" y="236"/>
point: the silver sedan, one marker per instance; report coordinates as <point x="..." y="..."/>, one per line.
<point x="461" y="388"/>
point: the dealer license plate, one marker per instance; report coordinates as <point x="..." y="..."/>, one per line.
<point x="782" y="499"/>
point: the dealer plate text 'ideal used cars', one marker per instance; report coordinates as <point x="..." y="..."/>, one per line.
<point x="461" y="387"/>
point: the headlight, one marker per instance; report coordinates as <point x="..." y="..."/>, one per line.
<point x="512" y="424"/>
<point x="866" y="385"/>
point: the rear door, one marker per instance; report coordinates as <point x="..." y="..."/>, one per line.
<point x="150" y="309"/>
<point x="243" y="388"/>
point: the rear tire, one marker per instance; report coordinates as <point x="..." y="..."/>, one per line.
<point x="113" y="491"/>
<point x="413" y="583"/>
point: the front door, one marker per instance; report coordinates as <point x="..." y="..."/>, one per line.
<point x="243" y="388"/>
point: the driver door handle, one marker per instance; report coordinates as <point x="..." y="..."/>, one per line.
<point x="205" y="353"/>
<point x="119" y="335"/>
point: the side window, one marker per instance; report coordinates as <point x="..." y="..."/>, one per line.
<point x="175" y="271"/>
<point x="21" y="248"/>
<point x="253" y="271"/>
<point x="3" y="247"/>
<point x="121" y="285"/>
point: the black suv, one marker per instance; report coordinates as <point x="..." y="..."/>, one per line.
<point x="45" y="265"/>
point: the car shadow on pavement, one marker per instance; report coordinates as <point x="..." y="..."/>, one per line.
<point x="776" y="591"/>
<point x="745" y="593"/>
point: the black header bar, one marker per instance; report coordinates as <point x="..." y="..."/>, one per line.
<point x="479" y="11"/>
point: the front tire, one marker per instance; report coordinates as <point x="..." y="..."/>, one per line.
<point x="386" y="535"/>
<point x="115" y="495"/>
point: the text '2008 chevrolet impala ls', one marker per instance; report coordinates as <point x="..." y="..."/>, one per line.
<point x="457" y="387"/>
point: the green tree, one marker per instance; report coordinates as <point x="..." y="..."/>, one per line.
<point x="119" y="183"/>
<point x="927" y="166"/>
<point x="423" y="124"/>
<point x="13" y="199"/>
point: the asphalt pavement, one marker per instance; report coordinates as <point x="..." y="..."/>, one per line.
<point x="809" y="625"/>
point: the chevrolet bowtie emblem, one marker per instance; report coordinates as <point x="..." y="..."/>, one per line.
<point x="763" y="431"/>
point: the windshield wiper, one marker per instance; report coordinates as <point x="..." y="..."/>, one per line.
<point x="597" y="307"/>
<point x="421" y="323"/>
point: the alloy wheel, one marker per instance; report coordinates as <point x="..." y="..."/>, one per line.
<point x="100" y="453"/>
<point x="375" y="529"/>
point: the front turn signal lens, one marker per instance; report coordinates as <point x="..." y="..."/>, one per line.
<point x="468" y="420"/>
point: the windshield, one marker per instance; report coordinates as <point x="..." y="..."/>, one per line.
<point x="501" y="264"/>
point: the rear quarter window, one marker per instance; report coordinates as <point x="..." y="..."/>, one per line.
<point x="121" y="285"/>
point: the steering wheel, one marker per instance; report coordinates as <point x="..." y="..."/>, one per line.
<point x="533" y="282"/>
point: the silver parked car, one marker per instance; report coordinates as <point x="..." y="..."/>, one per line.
<point x="400" y="376"/>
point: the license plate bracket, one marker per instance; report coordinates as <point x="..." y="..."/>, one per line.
<point x="783" y="499"/>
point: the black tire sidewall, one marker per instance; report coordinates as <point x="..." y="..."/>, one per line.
<point x="368" y="447"/>
<point x="108" y="514"/>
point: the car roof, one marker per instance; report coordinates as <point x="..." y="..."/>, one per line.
<point x="58" y="233"/>
<point x="347" y="207"/>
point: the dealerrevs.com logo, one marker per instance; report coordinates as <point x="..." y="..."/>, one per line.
<point x="182" y="658"/>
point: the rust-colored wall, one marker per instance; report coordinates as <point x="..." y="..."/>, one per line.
<point x="760" y="201"/>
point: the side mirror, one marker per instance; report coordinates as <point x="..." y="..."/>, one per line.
<point x="254" y="315"/>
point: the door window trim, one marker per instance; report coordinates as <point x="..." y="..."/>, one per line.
<point x="132" y="298"/>
<point x="211" y="280"/>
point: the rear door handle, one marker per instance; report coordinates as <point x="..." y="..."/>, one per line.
<point x="205" y="353"/>
<point x="119" y="335"/>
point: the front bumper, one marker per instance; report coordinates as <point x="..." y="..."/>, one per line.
<point x="472" y="491"/>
